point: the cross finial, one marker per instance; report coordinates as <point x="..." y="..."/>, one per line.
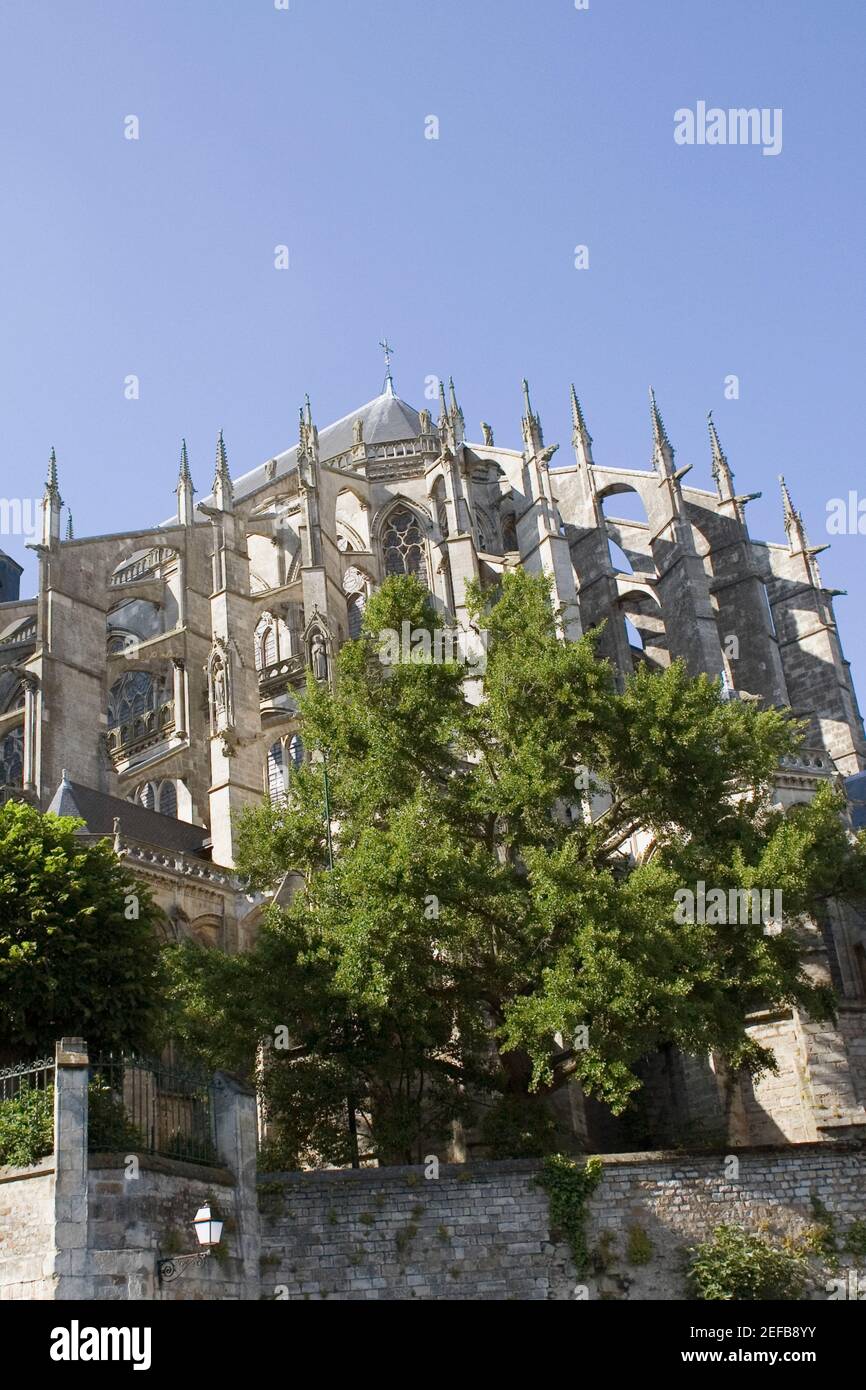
<point x="389" y="353"/>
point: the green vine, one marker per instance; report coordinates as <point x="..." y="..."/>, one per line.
<point x="568" y="1189"/>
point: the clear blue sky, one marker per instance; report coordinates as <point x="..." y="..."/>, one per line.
<point x="261" y="127"/>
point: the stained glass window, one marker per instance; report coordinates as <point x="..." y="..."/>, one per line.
<point x="403" y="545"/>
<point x="276" y="775"/>
<point x="130" y="697"/>
<point x="12" y="759"/>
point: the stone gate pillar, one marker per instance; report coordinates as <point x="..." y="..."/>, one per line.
<point x="70" y="1169"/>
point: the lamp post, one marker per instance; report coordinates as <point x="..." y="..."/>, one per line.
<point x="208" y="1233"/>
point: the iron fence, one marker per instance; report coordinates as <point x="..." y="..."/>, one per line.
<point x="138" y="1104"/>
<point x="26" y="1076"/>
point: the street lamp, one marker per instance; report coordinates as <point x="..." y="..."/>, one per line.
<point x="208" y="1232"/>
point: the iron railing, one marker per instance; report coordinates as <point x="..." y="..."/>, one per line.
<point x="26" y="1076"/>
<point x="140" y="1104"/>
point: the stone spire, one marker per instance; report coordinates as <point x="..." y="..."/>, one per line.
<point x="447" y="432"/>
<point x="533" y="435"/>
<point x="724" y="477"/>
<point x="185" y="490"/>
<point x="222" y="483"/>
<point x="70" y="532"/>
<point x="52" y="503"/>
<point x="51" y="485"/>
<point x="581" y="437"/>
<point x="309" y="434"/>
<point x="722" y="473"/>
<point x="443" y="405"/>
<point x="663" y="450"/>
<point x="798" y="541"/>
<point x="457" y="419"/>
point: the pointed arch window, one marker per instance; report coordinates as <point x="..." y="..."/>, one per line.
<point x="356" y="605"/>
<point x="12" y="759"/>
<point x="168" y="800"/>
<point x="269" y="646"/>
<point x="276" y="775"/>
<point x="131" y="697"/>
<point x="296" y="750"/>
<point x="403" y="545"/>
<point x="146" y="796"/>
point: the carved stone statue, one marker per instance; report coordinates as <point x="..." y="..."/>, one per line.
<point x="219" y="688"/>
<point x="426" y="420"/>
<point x="358" y="430"/>
<point x="319" y="657"/>
<point x="487" y="433"/>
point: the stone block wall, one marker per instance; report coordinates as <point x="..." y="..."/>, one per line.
<point x="134" y="1221"/>
<point x="26" y="1232"/>
<point x="483" y="1233"/>
<point x="90" y="1226"/>
<point x="476" y="1232"/>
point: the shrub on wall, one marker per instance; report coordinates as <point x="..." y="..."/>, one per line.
<point x="109" y="1126"/>
<point x="27" y="1127"/>
<point x="736" y="1265"/>
<point x="515" y="1127"/>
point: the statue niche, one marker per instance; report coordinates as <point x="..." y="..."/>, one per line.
<point x="318" y="652"/>
<point x="220" y="697"/>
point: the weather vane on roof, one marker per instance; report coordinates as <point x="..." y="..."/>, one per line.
<point x="389" y="352"/>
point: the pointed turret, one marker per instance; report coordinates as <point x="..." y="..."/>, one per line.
<point x="457" y="419"/>
<point x="185" y="490"/>
<point x="309" y="434"/>
<point x="722" y="473"/>
<point x="447" y="432"/>
<point x="52" y="503"/>
<point x="222" y="484"/>
<point x="581" y="437"/>
<point x="443" y="405"/>
<point x="730" y="501"/>
<point x="663" y="450"/>
<point x="533" y="435"/>
<point x="51" y="484"/>
<point x="70" y="530"/>
<point x="798" y="541"/>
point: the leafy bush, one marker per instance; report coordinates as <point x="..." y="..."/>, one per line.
<point x="109" y="1126"/>
<point x="516" y="1127"/>
<point x="27" y="1127"/>
<point x="736" y="1265"/>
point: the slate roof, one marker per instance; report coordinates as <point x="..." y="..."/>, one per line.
<point x="386" y="419"/>
<point x="99" y="811"/>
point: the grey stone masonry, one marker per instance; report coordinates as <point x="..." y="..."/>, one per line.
<point x="94" y="1226"/>
<point x="71" y="1171"/>
<point x="483" y="1232"/>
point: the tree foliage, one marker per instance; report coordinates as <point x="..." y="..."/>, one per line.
<point x="78" y="951"/>
<point x="473" y="926"/>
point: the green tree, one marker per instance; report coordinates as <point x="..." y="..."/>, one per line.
<point x="466" y="904"/>
<point x="78" y="951"/>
